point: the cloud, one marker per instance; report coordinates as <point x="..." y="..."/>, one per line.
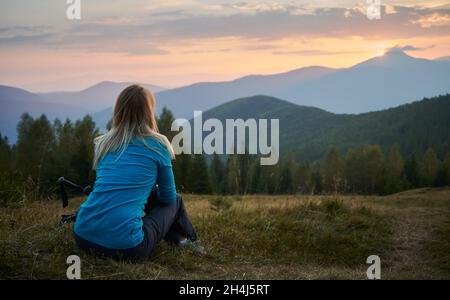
<point x="322" y="22"/>
<point x="389" y="9"/>
<point x="261" y="47"/>
<point x="207" y="51"/>
<point x="23" y="39"/>
<point x="151" y="30"/>
<point x="110" y="21"/>
<point x="311" y="52"/>
<point x="433" y="20"/>
<point x="11" y="31"/>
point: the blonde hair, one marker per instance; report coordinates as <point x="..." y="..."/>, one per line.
<point x="133" y="117"/>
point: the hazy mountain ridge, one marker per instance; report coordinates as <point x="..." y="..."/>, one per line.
<point x="73" y="105"/>
<point x="375" y="84"/>
<point x="203" y="96"/>
<point x="14" y="102"/>
<point x="96" y="97"/>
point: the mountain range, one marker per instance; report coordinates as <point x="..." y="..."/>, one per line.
<point x="378" y="83"/>
<point x="14" y="102"/>
<point x="73" y="105"/>
<point x="96" y="97"/>
<point x="308" y="133"/>
<point x="375" y="84"/>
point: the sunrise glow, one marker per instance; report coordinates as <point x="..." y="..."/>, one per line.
<point x="178" y="43"/>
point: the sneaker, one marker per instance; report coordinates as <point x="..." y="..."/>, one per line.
<point x="194" y="246"/>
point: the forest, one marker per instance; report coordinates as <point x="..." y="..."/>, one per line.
<point x="45" y="151"/>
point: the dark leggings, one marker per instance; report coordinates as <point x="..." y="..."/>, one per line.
<point x="162" y="221"/>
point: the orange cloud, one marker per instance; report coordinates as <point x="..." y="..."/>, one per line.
<point x="433" y="20"/>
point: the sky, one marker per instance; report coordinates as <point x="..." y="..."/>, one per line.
<point x="178" y="42"/>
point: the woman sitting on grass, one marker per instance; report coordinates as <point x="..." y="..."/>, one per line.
<point x="121" y="218"/>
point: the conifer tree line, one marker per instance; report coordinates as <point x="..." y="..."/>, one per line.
<point x="44" y="151"/>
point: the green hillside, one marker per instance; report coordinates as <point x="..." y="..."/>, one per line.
<point x="309" y="133"/>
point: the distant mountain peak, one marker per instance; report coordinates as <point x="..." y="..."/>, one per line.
<point x="392" y="57"/>
<point x="397" y="52"/>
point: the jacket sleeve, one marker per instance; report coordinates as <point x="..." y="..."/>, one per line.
<point x="166" y="182"/>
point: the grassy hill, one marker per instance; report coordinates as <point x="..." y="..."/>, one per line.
<point x="309" y="132"/>
<point x="255" y="237"/>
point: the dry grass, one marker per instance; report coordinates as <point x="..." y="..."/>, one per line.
<point x="256" y="237"/>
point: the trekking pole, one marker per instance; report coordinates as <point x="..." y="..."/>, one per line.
<point x="64" y="182"/>
<point x="66" y="219"/>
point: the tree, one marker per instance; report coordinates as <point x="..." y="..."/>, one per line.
<point x="333" y="177"/>
<point x="34" y="152"/>
<point x="429" y="168"/>
<point x="244" y="163"/>
<point x="375" y="168"/>
<point x="232" y="179"/>
<point x="316" y="181"/>
<point x="5" y="154"/>
<point x="165" y="121"/>
<point x="217" y="171"/>
<point x="412" y="171"/>
<point x="303" y="178"/>
<point x="446" y="168"/>
<point x="199" y="182"/>
<point x="395" y="177"/>
<point x="364" y="169"/>
<point x="286" y="177"/>
<point x="85" y="132"/>
<point x="182" y="166"/>
<point x="7" y="182"/>
<point x="65" y="149"/>
<point x="256" y="178"/>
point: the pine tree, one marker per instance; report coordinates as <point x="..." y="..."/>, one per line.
<point x="446" y="167"/>
<point x="302" y="178"/>
<point x="199" y="181"/>
<point x="256" y="177"/>
<point x="364" y="169"/>
<point x="232" y="181"/>
<point x="412" y="171"/>
<point x="217" y="171"/>
<point x="244" y="163"/>
<point x="182" y="167"/>
<point x="165" y="121"/>
<point x="375" y="168"/>
<point x="5" y="155"/>
<point x="286" y="178"/>
<point x="85" y="132"/>
<point x="395" y="177"/>
<point x="354" y="170"/>
<point x="65" y="149"/>
<point x="429" y="168"/>
<point x="316" y="180"/>
<point x="271" y="178"/>
<point x="34" y="152"/>
<point x="333" y="178"/>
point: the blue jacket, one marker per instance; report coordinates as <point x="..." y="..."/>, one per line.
<point x="112" y="214"/>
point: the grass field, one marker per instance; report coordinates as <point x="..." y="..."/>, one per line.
<point x="255" y="237"/>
